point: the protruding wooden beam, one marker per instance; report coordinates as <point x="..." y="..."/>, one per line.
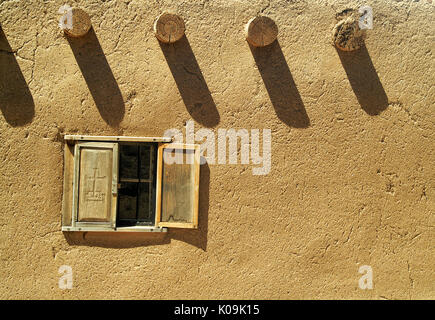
<point x="169" y="27"/>
<point x="75" y="22"/>
<point x="261" y="31"/>
<point x="347" y="35"/>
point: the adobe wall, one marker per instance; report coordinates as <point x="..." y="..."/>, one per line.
<point x="352" y="179"/>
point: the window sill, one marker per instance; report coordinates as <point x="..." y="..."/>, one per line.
<point x="120" y="229"/>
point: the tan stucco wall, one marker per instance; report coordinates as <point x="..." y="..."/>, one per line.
<point x="352" y="180"/>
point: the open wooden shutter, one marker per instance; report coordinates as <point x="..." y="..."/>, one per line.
<point x="95" y="186"/>
<point x="177" y="185"/>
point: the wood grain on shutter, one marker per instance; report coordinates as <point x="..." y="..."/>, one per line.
<point x="96" y="177"/>
<point x="178" y="185"/>
<point x="68" y="179"/>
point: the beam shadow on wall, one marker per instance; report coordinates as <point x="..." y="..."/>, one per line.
<point x="364" y="80"/>
<point x="16" y="101"/>
<point x="99" y="77"/>
<point x="197" y="237"/>
<point x="190" y="82"/>
<point x="280" y="85"/>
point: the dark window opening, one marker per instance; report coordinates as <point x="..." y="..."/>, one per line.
<point x="137" y="184"/>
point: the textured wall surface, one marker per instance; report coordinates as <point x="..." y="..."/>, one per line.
<point x="352" y="180"/>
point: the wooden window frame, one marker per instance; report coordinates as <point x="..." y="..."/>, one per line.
<point x="194" y="223"/>
<point x="88" y="226"/>
<point x="151" y="179"/>
<point x="71" y="176"/>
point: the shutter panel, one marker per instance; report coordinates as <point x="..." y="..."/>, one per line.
<point x="95" y="185"/>
<point x="177" y="185"/>
<point x="68" y="185"/>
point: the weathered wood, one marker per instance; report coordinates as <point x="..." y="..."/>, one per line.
<point x="95" y="185"/>
<point x="115" y="170"/>
<point x="120" y="229"/>
<point x="261" y="31"/>
<point x="178" y="186"/>
<point x="177" y="190"/>
<point x="159" y="183"/>
<point x="169" y="27"/>
<point x="346" y="35"/>
<point x="68" y="184"/>
<point x="116" y="138"/>
<point x="81" y="23"/>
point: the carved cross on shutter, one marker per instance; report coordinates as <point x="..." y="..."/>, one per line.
<point x="95" y="177"/>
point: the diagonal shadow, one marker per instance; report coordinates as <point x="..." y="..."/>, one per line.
<point x="280" y="85"/>
<point x="364" y="80"/>
<point x="16" y="101"/>
<point x="190" y="82"/>
<point x="99" y="77"/>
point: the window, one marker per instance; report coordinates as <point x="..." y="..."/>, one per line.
<point x="136" y="187"/>
<point x="129" y="184"/>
